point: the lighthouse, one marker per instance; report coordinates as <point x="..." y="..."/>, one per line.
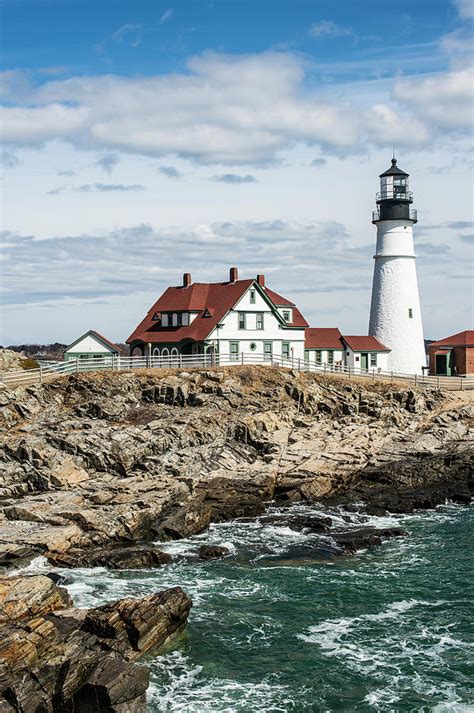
<point x="395" y="315"/>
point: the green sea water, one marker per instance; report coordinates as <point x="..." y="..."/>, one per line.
<point x="390" y="629"/>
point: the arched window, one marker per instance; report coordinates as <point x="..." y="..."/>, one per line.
<point x="156" y="351"/>
<point x="174" y="352"/>
<point x="137" y="351"/>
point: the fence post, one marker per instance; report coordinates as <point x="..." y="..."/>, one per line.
<point x="415" y="379"/>
<point x="437" y="382"/>
<point x="77" y="364"/>
<point x="349" y="372"/>
<point x="324" y="367"/>
<point x="41" y="374"/>
<point x="391" y="377"/>
<point x="373" y="374"/>
<point x="241" y="357"/>
<point x="299" y="363"/>
<point x="462" y="384"/>
<point x="119" y="363"/>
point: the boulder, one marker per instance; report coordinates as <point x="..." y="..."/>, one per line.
<point x="210" y="552"/>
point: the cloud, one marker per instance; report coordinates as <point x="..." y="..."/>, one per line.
<point x="318" y="162"/>
<point x="128" y="34"/>
<point x="465" y="8"/>
<point x="444" y="101"/>
<point x="96" y="187"/>
<point x="328" y="28"/>
<point x="9" y="159"/>
<point x="170" y="171"/>
<point x="66" y="172"/>
<point x="234" y="178"/>
<point x="234" y="110"/>
<point x="467" y="238"/>
<point x="106" y="187"/>
<point x="107" y="162"/>
<point x="166" y="16"/>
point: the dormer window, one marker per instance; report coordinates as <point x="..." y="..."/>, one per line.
<point x="185" y="319"/>
<point x="175" y="319"/>
<point x="286" y="315"/>
<point x="164" y="320"/>
<point x="156" y="317"/>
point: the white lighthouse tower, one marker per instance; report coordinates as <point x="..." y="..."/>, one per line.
<point x="395" y="315"/>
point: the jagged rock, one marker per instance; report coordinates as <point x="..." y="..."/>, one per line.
<point x="117" y="557"/>
<point x="210" y="552"/>
<point x="57" y="660"/>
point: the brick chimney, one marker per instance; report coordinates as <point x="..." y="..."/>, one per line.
<point x="261" y="280"/>
<point x="186" y="279"/>
<point x="233" y="274"/>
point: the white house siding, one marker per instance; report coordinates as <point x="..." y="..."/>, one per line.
<point x="272" y="332"/>
<point x="353" y="359"/>
<point x="338" y="356"/>
<point x="89" y="345"/>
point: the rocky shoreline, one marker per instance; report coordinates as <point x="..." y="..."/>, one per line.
<point x="97" y="467"/>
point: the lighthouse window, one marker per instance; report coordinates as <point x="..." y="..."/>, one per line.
<point x="410" y="313"/>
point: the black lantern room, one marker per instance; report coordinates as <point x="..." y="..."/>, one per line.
<point x="394" y="199"/>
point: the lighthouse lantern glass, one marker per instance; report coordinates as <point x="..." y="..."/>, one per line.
<point x="393" y="187"/>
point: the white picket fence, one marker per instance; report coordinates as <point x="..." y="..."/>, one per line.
<point x="51" y="370"/>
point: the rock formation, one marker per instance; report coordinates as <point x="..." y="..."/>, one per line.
<point x="96" y="467"/>
<point x="57" y="658"/>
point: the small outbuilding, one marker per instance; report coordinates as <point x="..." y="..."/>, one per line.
<point x="453" y="355"/>
<point x="365" y="353"/>
<point x="91" y="345"/>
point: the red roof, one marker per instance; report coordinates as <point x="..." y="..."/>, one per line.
<point x="461" y="339"/>
<point x="364" y="344"/>
<point x="214" y="299"/>
<point x="322" y="338"/>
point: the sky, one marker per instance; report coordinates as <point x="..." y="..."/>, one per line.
<point x="146" y="138"/>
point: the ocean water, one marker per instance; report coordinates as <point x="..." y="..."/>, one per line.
<point x="390" y="629"/>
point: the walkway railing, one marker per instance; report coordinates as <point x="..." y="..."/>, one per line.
<point x="51" y="370"/>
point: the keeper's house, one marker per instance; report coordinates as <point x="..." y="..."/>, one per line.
<point x="234" y="317"/>
<point x="453" y="355"/>
<point x="245" y="317"/>
<point x="91" y="345"/>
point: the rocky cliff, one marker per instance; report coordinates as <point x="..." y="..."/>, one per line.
<point x="128" y="456"/>
<point x="96" y="467"/>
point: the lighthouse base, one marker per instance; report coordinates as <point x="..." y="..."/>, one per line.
<point x="395" y="316"/>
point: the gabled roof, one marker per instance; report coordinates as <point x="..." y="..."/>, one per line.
<point x="92" y="332"/>
<point x="212" y="301"/>
<point x="322" y="338"/>
<point x="461" y="339"/>
<point x="364" y="344"/>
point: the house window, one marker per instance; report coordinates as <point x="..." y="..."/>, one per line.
<point x="242" y="320"/>
<point x="253" y="346"/>
<point x="234" y="351"/>
<point x="156" y="317"/>
<point x="267" y="351"/>
<point x="286" y="315"/>
<point x="99" y="357"/>
<point x="164" y="320"/>
<point x="285" y="350"/>
<point x="185" y="319"/>
<point x="373" y="359"/>
<point x="330" y="357"/>
<point x="318" y="355"/>
<point x="259" y="321"/>
<point x="357" y="358"/>
<point x="410" y="313"/>
<point x="175" y="319"/>
<point x="252" y="297"/>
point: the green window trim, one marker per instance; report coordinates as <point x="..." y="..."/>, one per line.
<point x="267" y="350"/>
<point x="330" y="356"/>
<point x="259" y="323"/>
<point x="318" y="356"/>
<point x="234" y="351"/>
<point x="242" y="320"/>
<point x="285" y="350"/>
<point x="373" y="359"/>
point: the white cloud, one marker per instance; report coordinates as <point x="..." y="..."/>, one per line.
<point x="465" y="8"/>
<point x="224" y="109"/>
<point x="166" y="15"/>
<point x="328" y="28"/>
<point x="107" y="162"/>
<point x="443" y="101"/>
<point x="234" y="178"/>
